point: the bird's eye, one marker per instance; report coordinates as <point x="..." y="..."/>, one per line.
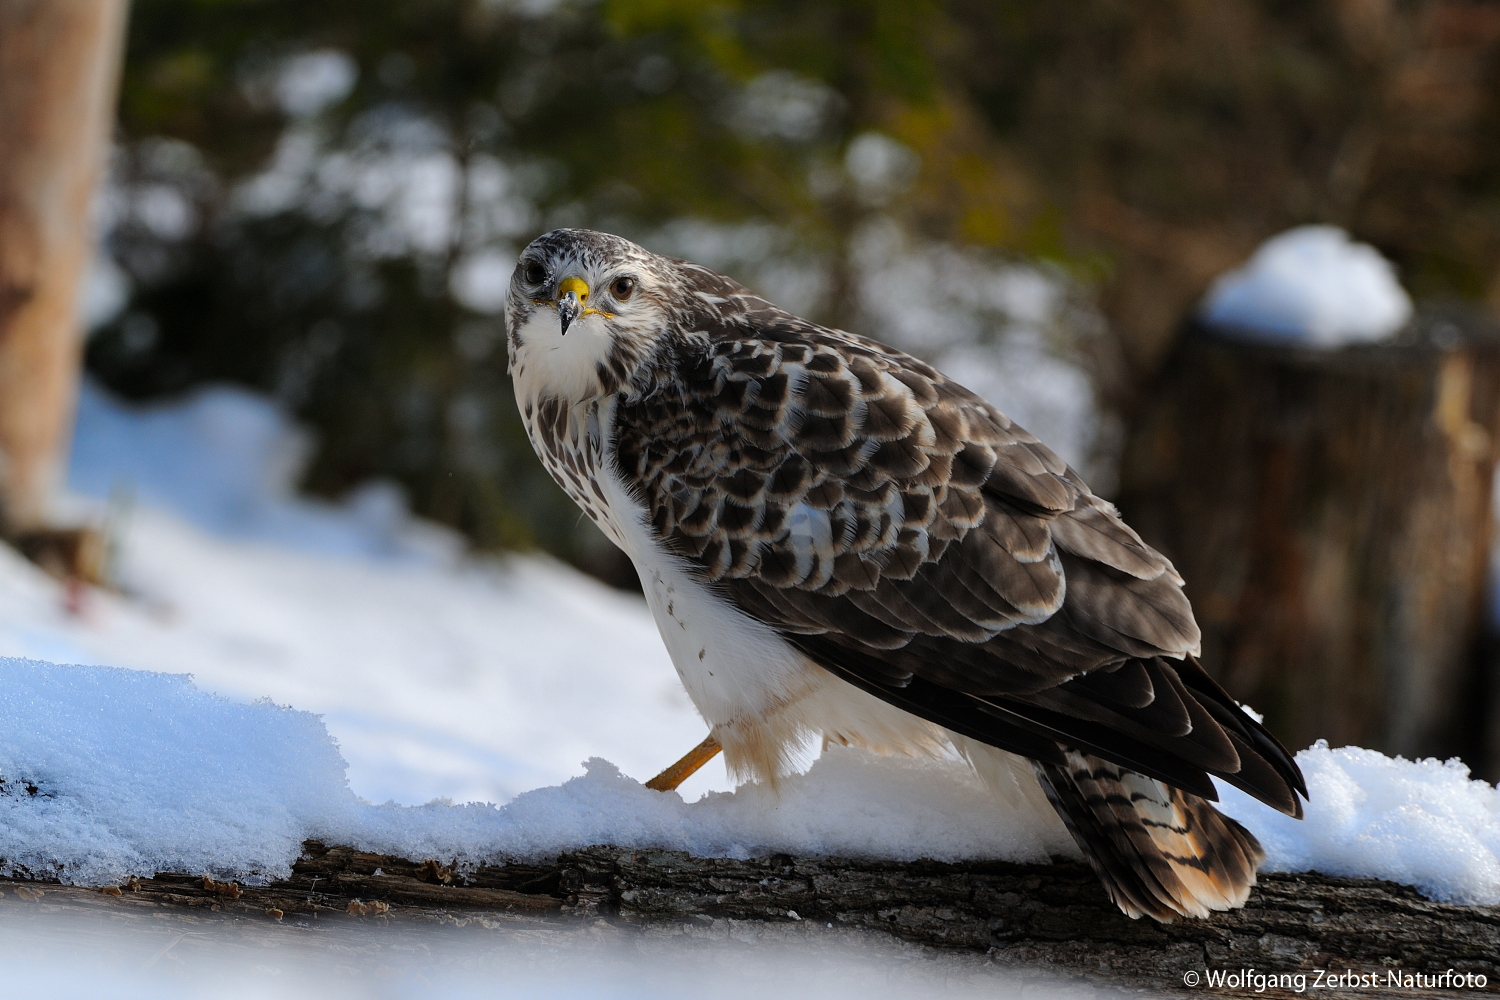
<point x="623" y="288"/>
<point x="534" y="273"/>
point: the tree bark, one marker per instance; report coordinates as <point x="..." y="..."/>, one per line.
<point x="1330" y="512"/>
<point x="59" y="68"/>
<point x="1048" y="917"/>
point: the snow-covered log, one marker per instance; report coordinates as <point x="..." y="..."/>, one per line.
<point x="1051" y="917"/>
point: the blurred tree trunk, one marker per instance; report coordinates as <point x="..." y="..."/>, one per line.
<point x="59" y="71"/>
<point x="1330" y="512"/>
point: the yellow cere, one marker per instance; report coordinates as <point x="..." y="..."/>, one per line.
<point x="580" y="288"/>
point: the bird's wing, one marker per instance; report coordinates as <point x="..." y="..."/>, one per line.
<point x="910" y="538"/>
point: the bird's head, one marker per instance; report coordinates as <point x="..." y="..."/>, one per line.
<point x="584" y="309"/>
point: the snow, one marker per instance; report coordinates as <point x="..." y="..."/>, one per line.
<point x="1311" y="286"/>
<point x="311" y="81"/>
<point x="782" y="105"/>
<point x="70" y="955"/>
<point x="137" y="772"/>
<point x="227" y="461"/>
<point x="104" y="292"/>
<point x="1424" y="823"/>
<point x="471" y="681"/>
<point x="880" y="167"/>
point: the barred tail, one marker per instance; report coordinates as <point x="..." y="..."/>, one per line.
<point x="1158" y="850"/>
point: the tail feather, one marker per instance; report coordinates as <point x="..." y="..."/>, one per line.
<point x="1160" y="851"/>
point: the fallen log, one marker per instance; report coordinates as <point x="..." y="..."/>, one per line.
<point x="1046" y="917"/>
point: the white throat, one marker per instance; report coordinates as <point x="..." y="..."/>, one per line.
<point x="551" y="363"/>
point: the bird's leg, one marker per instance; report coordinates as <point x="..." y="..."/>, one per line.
<point x="684" y="769"/>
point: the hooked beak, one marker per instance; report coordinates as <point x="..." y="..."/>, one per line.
<point x="572" y="296"/>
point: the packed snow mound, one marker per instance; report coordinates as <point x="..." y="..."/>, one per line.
<point x="849" y="804"/>
<point x="1424" y="823"/>
<point x="137" y="772"/>
<point x="108" y="772"/>
<point x="1311" y="286"/>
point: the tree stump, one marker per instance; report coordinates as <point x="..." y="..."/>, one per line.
<point x="1330" y="512"/>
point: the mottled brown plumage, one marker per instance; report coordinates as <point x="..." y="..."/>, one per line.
<point x="905" y="535"/>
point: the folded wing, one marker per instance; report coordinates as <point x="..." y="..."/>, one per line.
<point x="910" y="538"/>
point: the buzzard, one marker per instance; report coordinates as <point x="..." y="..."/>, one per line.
<point x="839" y="543"/>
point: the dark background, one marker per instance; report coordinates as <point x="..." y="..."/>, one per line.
<point x="1138" y="148"/>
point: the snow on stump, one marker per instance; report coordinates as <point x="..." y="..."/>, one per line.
<point x="1327" y="499"/>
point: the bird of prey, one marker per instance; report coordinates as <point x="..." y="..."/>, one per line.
<point x="837" y="542"/>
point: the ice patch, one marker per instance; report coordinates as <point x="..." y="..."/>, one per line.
<point x="1312" y="286"/>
